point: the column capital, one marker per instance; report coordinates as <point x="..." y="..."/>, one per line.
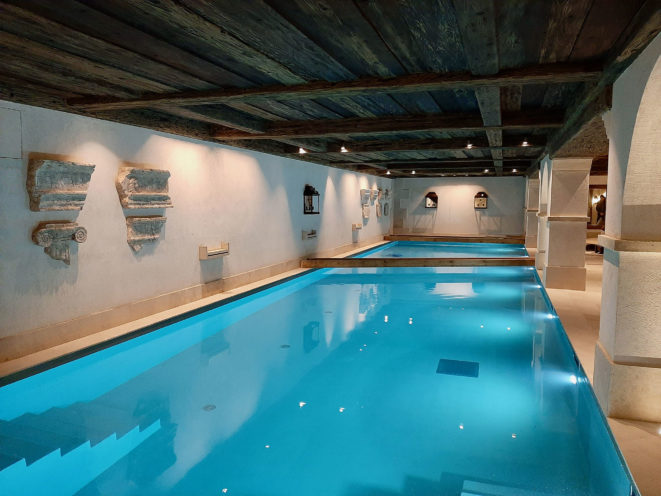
<point x="618" y="244"/>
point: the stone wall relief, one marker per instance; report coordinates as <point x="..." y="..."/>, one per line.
<point x="140" y="188"/>
<point x="57" y="185"/>
<point x="56" y="236"/>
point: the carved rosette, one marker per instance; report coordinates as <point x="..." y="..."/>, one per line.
<point x="55" y="237"/>
<point x="141" y="230"/>
<point x="57" y="185"/>
<point x="143" y="188"/>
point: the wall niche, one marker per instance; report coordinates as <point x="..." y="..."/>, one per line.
<point x="57" y="185"/>
<point x="143" y="188"/>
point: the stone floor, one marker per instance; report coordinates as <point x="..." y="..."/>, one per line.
<point x="640" y="442"/>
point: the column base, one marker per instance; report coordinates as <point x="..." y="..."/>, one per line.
<point x="564" y="277"/>
<point x="627" y="391"/>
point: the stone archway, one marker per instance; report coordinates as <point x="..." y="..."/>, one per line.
<point x="641" y="201"/>
<point x="627" y="374"/>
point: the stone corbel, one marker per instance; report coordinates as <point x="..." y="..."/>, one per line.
<point x="57" y="185"/>
<point x="55" y="237"/>
<point x="143" y="188"/>
<point x="141" y="230"/>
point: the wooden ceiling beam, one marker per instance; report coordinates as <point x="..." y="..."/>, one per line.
<point x="596" y="98"/>
<point x="478" y="143"/>
<point x="477" y="25"/>
<point x="394" y="124"/>
<point x="433" y="163"/>
<point x="540" y="74"/>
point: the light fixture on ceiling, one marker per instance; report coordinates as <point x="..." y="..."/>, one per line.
<point x="412" y="172"/>
<point x="343" y="149"/>
<point x="486" y="170"/>
<point x="387" y="173"/>
<point x="525" y="142"/>
<point x="514" y="170"/>
<point x="469" y="145"/>
<point x="302" y="151"/>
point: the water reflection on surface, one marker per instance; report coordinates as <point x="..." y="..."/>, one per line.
<point x="328" y="385"/>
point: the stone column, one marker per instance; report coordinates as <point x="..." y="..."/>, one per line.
<point x="542" y="233"/>
<point x="627" y="365"/>
<point x="530" y="211"/>
<point x="627" y="368"/>
<point x="566" y="224"/>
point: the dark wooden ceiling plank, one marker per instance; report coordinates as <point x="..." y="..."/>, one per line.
<point x="602" y="27"/>
<point x="422" y="34"/>
<point x="564" y="25"/>
<point x="32" y="69"/>
<point x="554" y="73"/>
<point x="596" y="98"/>
<point x="338" y="27"/>
<point x="477" y="25"/>
<point x="254" y="22"/>
<point x="94" y="23"/>
<point x="566" y="20"/>
<point x="181" y="27"/>
<point x="75" y="64"/>
<point x="29" y="25"/>
<point x="394" y="124"/>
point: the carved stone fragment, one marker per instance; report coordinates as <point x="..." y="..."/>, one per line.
<point x="57" y="185"/>
<point x="143" y="188"/>
<point x="141" y="230"/>
<point x="55" y="237"/>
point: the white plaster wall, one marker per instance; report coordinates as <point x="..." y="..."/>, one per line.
<point x="619" y="122"/>
<point x="252" y="200"/>
<point x="456" y="213"/>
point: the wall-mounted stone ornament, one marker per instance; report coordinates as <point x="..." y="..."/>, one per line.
<point x="143" y="188"/>
<point x="366" y="211"/>
<point x="57" y="185"/>
<point x="55" y="237"/>
<point x="365" y="195"/>
<point x="141" y="230"/>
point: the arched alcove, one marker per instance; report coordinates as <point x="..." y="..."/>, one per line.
<point x="641" y="202"/>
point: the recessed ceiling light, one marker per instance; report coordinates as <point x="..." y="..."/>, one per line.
<point x="387" y="173"/>
<point x="412" y="172"/>
<point x="469" y="145"/>
<point x="525" y="142"/>
<point x="514" y="170"/>
<point x="486" y="170"/>
<point x="301" y="151"/>
<point x="343" y="149"/>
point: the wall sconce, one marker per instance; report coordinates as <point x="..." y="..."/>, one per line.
<point x="431" y="200"/>
<point x="480" y="200"/>
<point x="310" y="200"/>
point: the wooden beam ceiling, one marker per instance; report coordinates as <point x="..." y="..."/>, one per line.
<point x="397" y="124"/>
<point x="558" y="73"/>
<point x="474" y="144"/>
<point x="388" y="81"/>
<point x="596" y="97"/>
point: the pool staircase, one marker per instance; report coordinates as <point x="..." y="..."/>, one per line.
<point x="68" y="446"/>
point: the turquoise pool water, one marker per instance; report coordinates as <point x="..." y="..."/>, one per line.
<point x="347" y="382"/>
<point x="430" y="249"/>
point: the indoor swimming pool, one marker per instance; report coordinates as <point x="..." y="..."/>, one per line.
<point x="340" y="382"/>
<point x="431" y="249"/>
